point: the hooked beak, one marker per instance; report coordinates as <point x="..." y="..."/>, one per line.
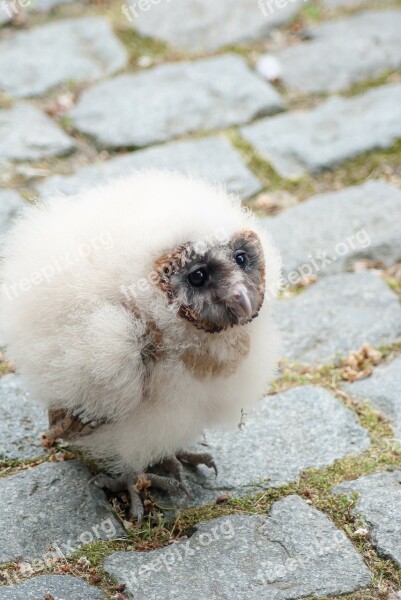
<point x="240" y="302"/>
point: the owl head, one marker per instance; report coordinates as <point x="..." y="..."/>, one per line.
<point x="215" y="284"/>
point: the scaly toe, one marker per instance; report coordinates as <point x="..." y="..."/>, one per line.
<point x="174" y="466"/>
<point x="137" y="510"/>
<point x="198" y="458"/>
<point x="167" y="484"/>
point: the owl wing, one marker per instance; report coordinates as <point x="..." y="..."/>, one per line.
<point x="116" y="349"/>
<point x="67" y="426"/>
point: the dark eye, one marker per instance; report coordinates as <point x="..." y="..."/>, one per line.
<point x="241" y="259"/>
<point x="199" y="277"/>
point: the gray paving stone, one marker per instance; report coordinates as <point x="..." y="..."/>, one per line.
<point x="294" y="551"/>
<point x="10" y="204"/>
<point x="379" y="504"/>
<point x="326" y="136"/>
<point x="28" y="134"/>
<point x="357" y="48"/>
<point x="337" y="315"/>
<point x="354" y="3"/>
<point x="284" y="434"/>
<point x="383" y="390"/>
<point x="213" y="159"/>
<point x="329" y="232"/>
<point x="50" y="509"/>
<point x="173" y="99"/>
<point x="32" y="62"/>
<point x="206" y="25"/>
<point x="61" y="587"/>
<point x="6" y="14"/>
<point x="21" y="421"/>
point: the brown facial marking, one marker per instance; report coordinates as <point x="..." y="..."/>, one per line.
<point x="169" y="263"/>
<point x="252" y="237"/>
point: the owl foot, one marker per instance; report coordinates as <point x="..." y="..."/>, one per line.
<point x="134" y="484"/>
<point x="174" y="465"/>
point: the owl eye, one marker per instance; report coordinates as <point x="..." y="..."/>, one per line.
<point x="199" y="277"/>
<point x="241" y="259"/>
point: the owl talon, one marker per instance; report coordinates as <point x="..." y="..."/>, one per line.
<point x="198" y="458"/>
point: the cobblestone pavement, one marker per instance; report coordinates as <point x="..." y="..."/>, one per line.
<point x="296" y="106"/>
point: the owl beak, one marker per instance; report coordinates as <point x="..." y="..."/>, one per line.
<point x="240" y="299"/>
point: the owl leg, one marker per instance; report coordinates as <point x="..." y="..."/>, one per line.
<point x="134" y="483"/>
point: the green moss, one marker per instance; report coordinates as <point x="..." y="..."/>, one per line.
<point x="394" y="283"/>
<point x="97" y="551"/>
<point x="66" y="122"/>
<point x="138" y="46"/>
<point x="312" y="11"/>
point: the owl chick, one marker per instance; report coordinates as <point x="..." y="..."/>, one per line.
<point x="130" y="311"/>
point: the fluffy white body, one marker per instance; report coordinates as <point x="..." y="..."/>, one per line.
<point x="78" y="291"/>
